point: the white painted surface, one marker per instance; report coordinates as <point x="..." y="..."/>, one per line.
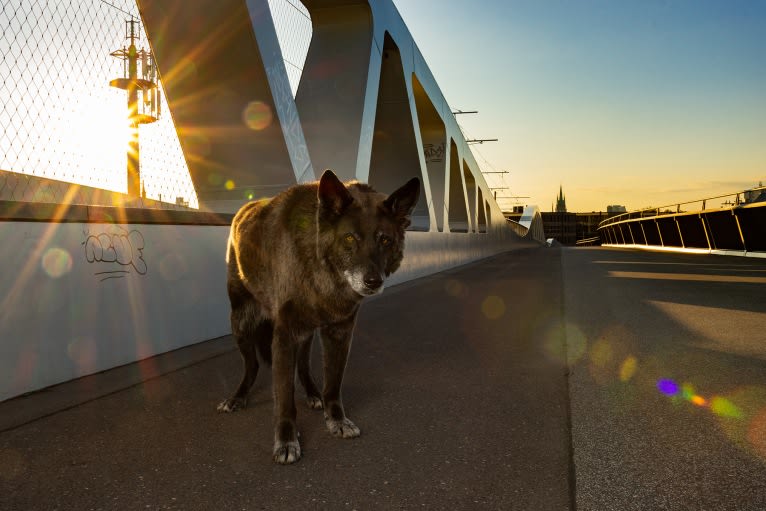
<point x="82" y="298"/>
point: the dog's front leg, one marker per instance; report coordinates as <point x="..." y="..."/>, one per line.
<point x="284" y="348"/>
<point x="336" y="343"/>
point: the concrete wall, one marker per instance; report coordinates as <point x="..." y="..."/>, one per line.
<point x="83" y="294"/>
<point x="85" y="289"/>
<point x="78" y="298"/>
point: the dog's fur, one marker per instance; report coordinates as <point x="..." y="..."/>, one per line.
<point x="302" y="261"/>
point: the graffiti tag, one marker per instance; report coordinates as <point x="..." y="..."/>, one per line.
<point x="434" y="153"/>
<point x="121" y="251"/>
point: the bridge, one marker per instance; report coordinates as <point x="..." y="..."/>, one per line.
<point x="736" y="227"/>
<point x="497" y="373"/>
<point x="541" y="378"/>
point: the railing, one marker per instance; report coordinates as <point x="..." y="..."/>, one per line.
<point x="596" y="240"/>
<point x="735" y="228"/>
<point x="518" y="228"/>
<point x="739" y="198"/>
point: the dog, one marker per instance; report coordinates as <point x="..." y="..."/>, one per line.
<point x="304" y="261"/>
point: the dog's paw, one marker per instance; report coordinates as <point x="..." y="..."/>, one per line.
<point x="232" y="405"/>
<point x="286" y="453"/>
<point x="343" y="428"/>
<point x="314" y="402"/>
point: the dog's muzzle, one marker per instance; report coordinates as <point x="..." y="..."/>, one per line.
<point x="373" y="282"/>
<point x="365" y="284"/>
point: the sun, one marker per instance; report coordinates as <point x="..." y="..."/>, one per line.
<point x="94" y="140"/>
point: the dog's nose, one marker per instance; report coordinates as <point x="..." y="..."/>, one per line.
<point x="373" y="281"/>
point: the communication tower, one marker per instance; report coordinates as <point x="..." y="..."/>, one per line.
<point x="139" y="112"/>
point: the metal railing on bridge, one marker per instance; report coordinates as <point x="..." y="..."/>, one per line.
<point x="736" y="225"/>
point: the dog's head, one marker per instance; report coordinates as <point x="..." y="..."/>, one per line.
<point x="360" y="233"/>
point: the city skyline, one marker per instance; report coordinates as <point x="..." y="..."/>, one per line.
<point x="638" y="104"/>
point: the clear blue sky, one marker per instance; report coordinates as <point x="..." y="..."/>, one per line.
<point x="635" y="103"/>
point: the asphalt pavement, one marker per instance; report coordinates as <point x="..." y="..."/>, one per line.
<point x="540" y="379"/>
<point x="668" y="383"/>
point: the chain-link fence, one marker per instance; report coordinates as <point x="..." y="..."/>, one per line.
<point x="60" y="120"/>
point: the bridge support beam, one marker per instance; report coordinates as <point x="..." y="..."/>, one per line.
<point x="224" y="77"/>
<point x="244" y="136"/>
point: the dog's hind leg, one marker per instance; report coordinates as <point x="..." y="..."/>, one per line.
<point x="251" y="331"/>
<point x="313" y="397"/>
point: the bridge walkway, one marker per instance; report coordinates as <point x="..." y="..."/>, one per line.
<point x="461" y="386"/>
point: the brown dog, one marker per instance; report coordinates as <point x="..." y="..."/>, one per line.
<point x="302" y="261"/>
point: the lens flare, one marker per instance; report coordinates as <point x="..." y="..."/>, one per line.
<point x="724" y="408"/>
<point x="756" y="433"/>
<point x="566" y="345"/>
<point x="493" y="307"/>
<point x="740" y="414"/>
<point x="718" y="405"/>
<point x="576" y="343"/>
<point x="454" y="287"/>
<point x="628" y="368"/>
<point x="56" y="262"/>
<point x="197" y="144"/>
<point x="26" y="368"/>
<point x="742" y="417"/>
<point x="257" y="115"/>
<point x="687" y="391"/>
<point x="602" y="361"/>
<point x="215" y="179"/>
<point x="229" y="184"/>
<point x="84" y="353"/>
<point x="185" y="69"/>
<point x="668" y="387"/>
<point x="601" y="354"/>
<point x="698" y="400"/>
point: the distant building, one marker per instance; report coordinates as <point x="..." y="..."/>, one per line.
<point x="568" y="228"/>
<point x="756" y="194"/>
<point x="616" y="209"/>
<point x="561" y="202"/>
<point x="561" y="226"/>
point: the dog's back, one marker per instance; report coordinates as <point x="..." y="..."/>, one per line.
<point x="270" y="241"/>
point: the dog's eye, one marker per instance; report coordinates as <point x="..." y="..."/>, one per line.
<point x="349" y="238"/>
<point x="385" y="240"/>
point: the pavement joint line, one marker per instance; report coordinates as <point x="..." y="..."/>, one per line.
<point x="572" y="472"/>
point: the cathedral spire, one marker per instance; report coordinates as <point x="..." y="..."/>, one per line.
<point x="561" y="203"/>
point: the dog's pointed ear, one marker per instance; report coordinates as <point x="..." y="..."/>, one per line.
<point x="333" y="196"/>
<point x="403" y="200"/>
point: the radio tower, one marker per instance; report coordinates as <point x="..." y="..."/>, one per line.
<point x="144" y="112"/>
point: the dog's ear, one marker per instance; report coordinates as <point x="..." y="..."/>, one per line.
<point x="333" y="196"/>
<point x="403" y="200"/>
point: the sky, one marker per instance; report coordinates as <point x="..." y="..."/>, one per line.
<point x="637" y="103"/>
